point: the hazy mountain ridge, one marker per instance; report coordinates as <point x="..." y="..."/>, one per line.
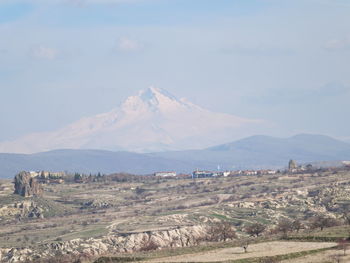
<point x="265" y="151"/>
<point x="153" y="120"/>
<point x="84" y="161"/>
<point x="253" y="152"/>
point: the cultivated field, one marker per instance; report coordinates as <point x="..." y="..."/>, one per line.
<point x="266" y="249"/>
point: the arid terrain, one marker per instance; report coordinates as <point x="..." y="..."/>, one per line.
<point x="122" y="217"/>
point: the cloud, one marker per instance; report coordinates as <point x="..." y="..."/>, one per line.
<point x="43" y="52"/>
<point x="338" y="44"/>
<point x="127" y="44"/>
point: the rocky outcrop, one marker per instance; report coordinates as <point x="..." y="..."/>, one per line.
<point x="26" y="185"/>
<point x="23" y="209"/>
<point x="120" y="243"/>
<point x="292" y="165"/>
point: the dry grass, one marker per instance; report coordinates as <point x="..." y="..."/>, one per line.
<point x="267" y="249"/>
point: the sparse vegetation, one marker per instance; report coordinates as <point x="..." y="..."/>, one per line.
<point x="234" y="208"/>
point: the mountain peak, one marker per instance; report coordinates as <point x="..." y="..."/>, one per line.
<point x="152" y="93"/>
<point x="153" y="99"/>
<point x="151" y="120"/>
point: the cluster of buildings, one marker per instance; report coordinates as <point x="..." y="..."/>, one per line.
<point x="205" y="174"/>
<point x="293" y="167"/>
<point x="46" y="177"/>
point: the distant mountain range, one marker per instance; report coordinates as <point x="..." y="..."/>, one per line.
<point x="253" y="152"/>
<point x="153" y="120"/>
<point x="267" y="152"/>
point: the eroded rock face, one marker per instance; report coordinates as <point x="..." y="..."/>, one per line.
<point x="177" y="237"/>
<point x="27" y="186"/>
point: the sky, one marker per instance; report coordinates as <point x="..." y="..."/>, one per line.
<point x="286" y="62"/>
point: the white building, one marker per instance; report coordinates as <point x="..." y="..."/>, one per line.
<point x="165" y="174"/>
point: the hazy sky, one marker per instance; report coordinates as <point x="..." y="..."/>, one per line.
<point x="287" y="62"/>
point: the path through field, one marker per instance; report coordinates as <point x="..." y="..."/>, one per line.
<point x="256" y="250"/>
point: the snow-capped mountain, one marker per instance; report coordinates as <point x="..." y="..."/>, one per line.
<point x="153" y="120"/>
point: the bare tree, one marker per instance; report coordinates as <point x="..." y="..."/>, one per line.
<point x="255" y="229"/>
<point x="297" y="225"/>
<point x="346" y="216"/>
<point x="321" y="222"/>
<point x="345" y="211"/>
<point x="244" y="243"/>
<point x="284" y="226"/>
<point x="221" y="232"/>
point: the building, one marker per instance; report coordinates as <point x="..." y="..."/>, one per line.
<point x="263" y="172"/>
<point x="202" y="174"/>
<point x="165" y="174"/>
<point x="46" y="177"/>
<point x="222" y="174"/>
<point x="249" y="172"/>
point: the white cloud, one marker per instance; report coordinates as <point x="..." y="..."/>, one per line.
<point x="338" y="44"/>
<point x="43" y="52"/>
<point x="127" y="44"/>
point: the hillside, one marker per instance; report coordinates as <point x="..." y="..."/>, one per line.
<point x="120" y="215"/>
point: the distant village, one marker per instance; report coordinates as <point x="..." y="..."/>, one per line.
<point x="292" y="168"/>
<point x="203" y="174"/>
<point x="46" y="177"/>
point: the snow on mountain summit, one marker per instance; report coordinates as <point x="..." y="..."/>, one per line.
<point x="152" y="120"/>
<point x="153" y="99"/>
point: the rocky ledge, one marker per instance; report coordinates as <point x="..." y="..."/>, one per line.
<point x="120" y="243"/>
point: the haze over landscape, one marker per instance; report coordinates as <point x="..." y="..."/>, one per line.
<point x="154" y="120"/>
<point x="62" y="61"/>
<point x="174" y="131"/>
<point x="167" y="134"/>
<point x="223" y="84"/>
